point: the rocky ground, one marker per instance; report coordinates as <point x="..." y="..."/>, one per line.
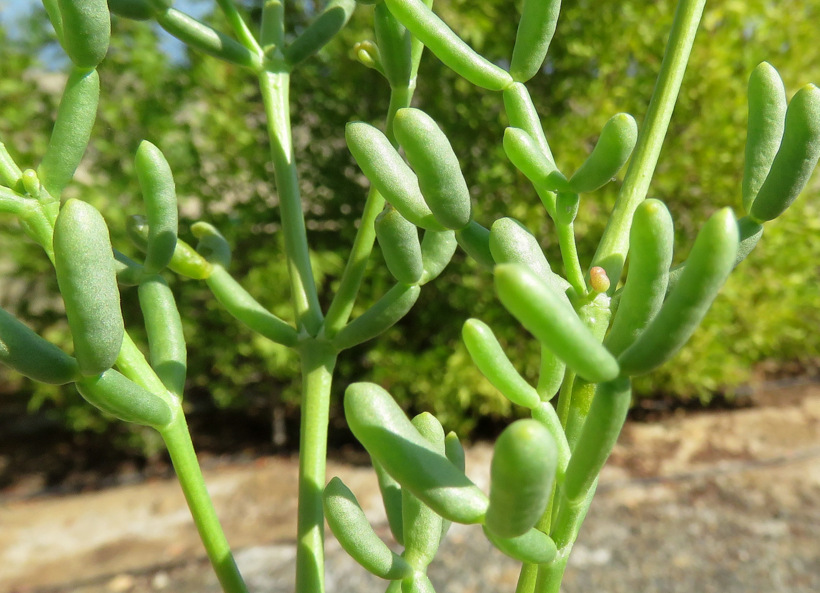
<point x="716" y="501"/>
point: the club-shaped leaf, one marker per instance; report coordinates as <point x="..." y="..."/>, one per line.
<point x="384" y="430"/>
<point x="522" y="472"/>
<point x="436" y="165"/>
<point x="493" y="363"/>
<point x="422" y="527"/>
<point x="707" y="268"/>
<point x="610" y="154"/>
<point x="651" y="239"/>
<point x="31" y="355"/>
<point x="552" y="320"/>
<point x="767" y="116"/>
<point x="603" y="424"/>
<point x="348" y="523"/>
<point x="84" y="263"/>
<point x="795" y="159"/>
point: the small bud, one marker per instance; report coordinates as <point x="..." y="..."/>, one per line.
<point x="31" y="183"/>
<point x="367" y="52"/>
<point x="598" y="279"/>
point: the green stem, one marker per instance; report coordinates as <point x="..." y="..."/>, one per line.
<point x="551" y="575"/>
<point x="10" y="173"/>
<point x="342" y="304"/>
<point x="53" y="10"/>
<point x="239" y="26"/>
<point x="582" y="394"/>
<point x="37" y="220"/>
<point x="275" y="90"/>
<point x="527" y="578"/>
<point x="178" y="441"/>
<point x="569" y="253"/>
<point x="318" y="361"/>
<point x="345" y="297"/>
<point x="399" y="98"/>
<point x="416" y="49"/>
<point x="13" y="203"/>
<point x="131" y="363"/>
<point x="272" y="33"/>
<point x="565" y="398"/>
<point x="566" y="526"/>
<point x="614" y="245"/>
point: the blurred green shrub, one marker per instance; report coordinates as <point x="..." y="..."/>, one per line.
<point x="603" y="60"/>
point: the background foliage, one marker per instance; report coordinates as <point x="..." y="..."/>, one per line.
<point x="208" y="119"/>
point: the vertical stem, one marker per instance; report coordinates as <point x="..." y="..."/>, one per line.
<point x="178" y="441"/>
<point x="400" y="97"/>
<point x="416" y="49"/>
<point x="275" y="93"/>
<point x="551" y="575"/>
<point x="318" y="361"/>
<point x="569" y="253"/>
<point x="318" y="358"/>
<point x="565" y="398"/>
<point x="527" y="578"/>
<point x="614" y="244"/>
<point x="580" y="400"/>
<point x="565" y="530"/>
<point x="273" y="24"/>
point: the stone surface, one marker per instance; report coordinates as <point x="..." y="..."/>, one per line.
<point x="709" y="502"/>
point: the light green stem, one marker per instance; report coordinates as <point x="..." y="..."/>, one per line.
<point x="53" y="10"/>
<point x="273" y="24"/>
<point x="10" y="173"/>
<point x="527" y="578"/>
<point x="178" y="441"/>
<point x="37" y="220"/>
<point x="564" y="532"/>
<point x="569" y="254"/>
<point x="399" y="98"/>
<point x="614" y="244"/>
<point x="551" y="575"/>
<point x="133" y="365"/>
<point x="13" y="203"/>
<point x="318" y="361"/>
<point x="416" y="49"/>
<point x="565" y="398"/>
<point x="239" y="26"/>
<point x="345" y="298"/>
<point x="275" y="91"/>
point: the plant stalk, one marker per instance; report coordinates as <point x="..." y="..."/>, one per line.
<point x="178" y="441"/>
<point x="275" y="94"/>
<point x="612" y="249"/>
<point x="569" y="253"/>
<point x="318" y="361"/>
<point x="239" y="26"/>
<point x="10" y="173"/>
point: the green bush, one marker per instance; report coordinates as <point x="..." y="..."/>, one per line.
<point x="603" y="60"/>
